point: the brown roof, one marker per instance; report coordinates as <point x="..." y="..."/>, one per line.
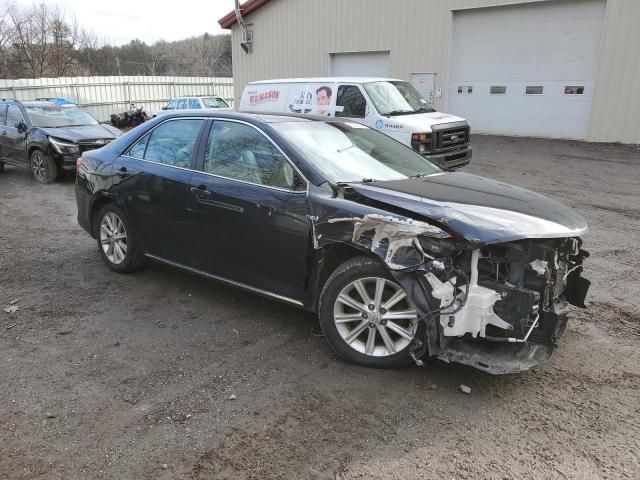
<point x="246" y="8"/>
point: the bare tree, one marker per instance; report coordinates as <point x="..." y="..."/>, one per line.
<point x="41" y="40"/>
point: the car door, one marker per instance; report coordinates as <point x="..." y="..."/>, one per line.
<point x="248" y="207"/>
<point x="3" y="124"/>
<point x="153" y="179"/>
<point x="14" y="142"/>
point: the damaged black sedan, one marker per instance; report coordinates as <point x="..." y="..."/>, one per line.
<point x="398" y="257"/>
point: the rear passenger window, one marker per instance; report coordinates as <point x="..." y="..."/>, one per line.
<point x="352" y="102"/>
<point x="182" y="104"/>
<point x="138" y="148"/>
<point x="194" y="103"/>
<point x="240" y="152"/>
<point x="172" y="143"/>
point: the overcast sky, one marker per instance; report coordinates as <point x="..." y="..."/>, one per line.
<point x="120" y="21"/>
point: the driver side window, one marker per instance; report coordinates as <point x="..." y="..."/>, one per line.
<point x="351" y="99"/>
<point x="14" y="116"/>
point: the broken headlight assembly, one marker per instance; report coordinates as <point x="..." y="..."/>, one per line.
<point x="64" y="147"/>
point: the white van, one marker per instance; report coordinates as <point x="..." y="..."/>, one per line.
<point x="391" y="106"/>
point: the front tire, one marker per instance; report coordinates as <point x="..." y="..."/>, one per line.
<point x="43" y="167"/>
<point x="118" y="246"/>
<point x="367" y="317"/>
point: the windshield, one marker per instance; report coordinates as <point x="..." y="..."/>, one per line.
<point x="395" y="98"/>
<point x="214" y="102"/>
<point x="350" y="152"/>
<point x="59" y="116"/>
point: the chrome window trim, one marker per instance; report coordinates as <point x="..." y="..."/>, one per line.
<point x="228" y="281"/>
<point x="205" y="118"/>
<point x="149" y="132"/>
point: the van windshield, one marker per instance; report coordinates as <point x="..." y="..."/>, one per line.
<point x="396" y="98"/>
<point x="350" y="152"/>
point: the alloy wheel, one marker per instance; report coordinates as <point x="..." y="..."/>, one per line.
<point x="39" y="166"/>
<point x="374" y="316"/>
<point x="113" y="238"/>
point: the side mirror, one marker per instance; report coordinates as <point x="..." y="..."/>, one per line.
<point x="22" y="127"/>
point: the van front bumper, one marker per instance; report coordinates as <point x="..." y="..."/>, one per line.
<point x="452" y="159"/>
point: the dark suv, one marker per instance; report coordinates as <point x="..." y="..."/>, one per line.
<point x="48" y="136"/>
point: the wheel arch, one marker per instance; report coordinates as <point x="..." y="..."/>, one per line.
<point x="97" y="205"/>
<point x="326" y="260"/>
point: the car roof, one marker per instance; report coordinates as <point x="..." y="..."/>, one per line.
<point x="197" y="96"/>
<point x="41" y="103"/>
<point x="327" y="80"/>
<point x="263" y="117"/>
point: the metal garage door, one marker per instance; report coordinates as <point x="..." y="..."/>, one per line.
<point x="526" y="69"/>
<point x="359" y="64"/>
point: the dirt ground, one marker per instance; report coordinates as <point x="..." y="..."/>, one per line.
<point x="164" y="375"/>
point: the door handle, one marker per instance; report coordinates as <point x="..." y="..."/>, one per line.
<point x="201" y="191"/>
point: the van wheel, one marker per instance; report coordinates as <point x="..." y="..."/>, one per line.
<point x="367" y="317"/>
<point x="43" y="167"/>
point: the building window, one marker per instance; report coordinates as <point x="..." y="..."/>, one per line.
<point x="497" y="89"/>
<point x="465" y="89"/>
<point x="534" y="90"/>
<point x="574" y="90"/>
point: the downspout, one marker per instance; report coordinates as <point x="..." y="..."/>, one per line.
<point x="246" y="46"/>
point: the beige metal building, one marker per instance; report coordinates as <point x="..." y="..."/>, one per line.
<point x="551" y="68"/>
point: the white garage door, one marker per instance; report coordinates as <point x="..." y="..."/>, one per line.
<point x="359" y="64"/>
<point x="526" y="69"/>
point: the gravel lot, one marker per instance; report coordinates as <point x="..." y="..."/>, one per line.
<point x="163" y="375"/>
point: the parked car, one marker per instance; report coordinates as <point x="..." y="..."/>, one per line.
<point x="48" y="136"/>
<point x="397" y="257"/>
<point x="389" y="105"/>
<point x="194" y="102"/>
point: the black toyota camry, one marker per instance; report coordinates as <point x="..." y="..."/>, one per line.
<point x="398" y="257"/>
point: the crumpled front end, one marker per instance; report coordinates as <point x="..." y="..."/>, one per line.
<point x="499" y="307"/>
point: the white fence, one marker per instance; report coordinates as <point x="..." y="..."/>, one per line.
<point x="102" y="96"/>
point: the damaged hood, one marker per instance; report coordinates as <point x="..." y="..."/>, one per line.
<point x="82" y="133"/>
<point x="481" y="210"/>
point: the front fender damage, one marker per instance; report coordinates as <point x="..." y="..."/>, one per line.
<point x="418" y="252"/>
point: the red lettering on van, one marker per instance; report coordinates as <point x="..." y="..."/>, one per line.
<point x="269" y="96"/>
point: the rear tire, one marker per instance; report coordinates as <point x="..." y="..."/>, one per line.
<point x="43" y="167"/>
<point x="1" y="167"/>
<point x="366" y="315"/>
<point x="117" y="242"/>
